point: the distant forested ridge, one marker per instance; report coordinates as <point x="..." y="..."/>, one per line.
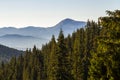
<point x="7" y="53"/>
<point x="90" y="53"/>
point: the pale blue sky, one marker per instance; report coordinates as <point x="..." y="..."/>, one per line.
<point x="45" y="13"/>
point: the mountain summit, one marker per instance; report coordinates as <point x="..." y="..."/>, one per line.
<point x="69" y="22"/>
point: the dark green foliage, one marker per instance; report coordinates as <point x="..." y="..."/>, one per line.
<point x="27" y="67"/>
<point x="91" y="53"/>
<point x="53" y="63"/>
<point x="77" y="56"/>
<point x="62" y="57"/>
<point x="66" y="59"/>
<point x="92" y="31"/>
<point x="105" y="62"/>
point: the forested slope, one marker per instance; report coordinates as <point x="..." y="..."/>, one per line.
<point x="90" y="53"/>
<point x="7" y="53"/>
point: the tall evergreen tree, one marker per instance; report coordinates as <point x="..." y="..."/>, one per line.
<point x="68" y="42"/>
<point x="52" y="66"/>
<point x="62" y="56"/>
<point x="78" y="51"/>
<point x="105" y="62"/>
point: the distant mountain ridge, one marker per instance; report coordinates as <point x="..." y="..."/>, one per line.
<point x="15" y="36"/>
<point x="43" y="34"/>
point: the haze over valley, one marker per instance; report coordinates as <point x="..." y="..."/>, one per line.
<point x="27" y="37"/>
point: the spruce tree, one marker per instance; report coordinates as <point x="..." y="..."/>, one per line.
<point x="68" y="42"/>
<point x="105" y="62"/>
<point x="62" y="56"/>
<point x="78" y="51"/>
<point x="52" y="66"/>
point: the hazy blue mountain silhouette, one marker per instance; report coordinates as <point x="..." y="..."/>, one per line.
<point x="22" y="38"/>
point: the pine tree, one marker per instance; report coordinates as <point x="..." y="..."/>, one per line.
<point x="91" y="32"/>
<point x="78" y="51"/>
<point x="52" y="66"/>
<point x="62" y="56"/>
<point x="68" y="42"/>
<point x="105" y="62"/>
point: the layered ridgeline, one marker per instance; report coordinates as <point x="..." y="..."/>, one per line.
<point x="90" y="53"/>
<point x="6" y="53"/>
<point x="22" y="38"/>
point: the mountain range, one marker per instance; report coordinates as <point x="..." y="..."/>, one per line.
<point x="27" y="37"/>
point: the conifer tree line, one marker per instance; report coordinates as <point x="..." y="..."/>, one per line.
<point x="90" y="53"/>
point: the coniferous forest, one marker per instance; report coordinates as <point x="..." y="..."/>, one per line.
<point x="90" y="53"/>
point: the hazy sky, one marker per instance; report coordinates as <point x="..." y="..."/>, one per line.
<point x="45" y="13"/>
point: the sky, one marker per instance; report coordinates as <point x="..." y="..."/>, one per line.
<point x="47" y="13"/>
